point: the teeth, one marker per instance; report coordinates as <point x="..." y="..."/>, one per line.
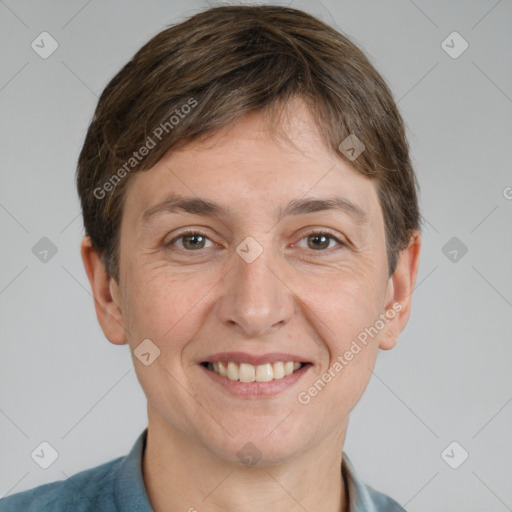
<point x="288" y="367"/>
<point x="223" y="370"/>
<point x="245" y="372"/>
<point x="278" y="370"/>
<point x="264" y="372"/>
<point x="232" y="371"/>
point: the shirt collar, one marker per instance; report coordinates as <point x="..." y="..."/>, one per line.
<point x="360" y="497"/>
<point x="131" y="492"/>
<point x="129" y="489"/>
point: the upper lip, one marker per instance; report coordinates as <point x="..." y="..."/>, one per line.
<point x="254" y="359"/>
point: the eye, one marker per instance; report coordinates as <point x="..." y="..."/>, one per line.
<point x="321" y="240"/>
<point x="191" y="240"/>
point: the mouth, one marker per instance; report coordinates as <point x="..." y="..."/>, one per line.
<point x="253" y="376"/>
<point x="246" y="372"/>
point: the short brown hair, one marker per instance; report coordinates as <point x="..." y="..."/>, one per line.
<point x="222" y="64"/>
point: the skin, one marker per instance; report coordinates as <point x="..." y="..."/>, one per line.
<point x="195" y="302"/>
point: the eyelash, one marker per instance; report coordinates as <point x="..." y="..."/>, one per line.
<point x="314" y="232"/>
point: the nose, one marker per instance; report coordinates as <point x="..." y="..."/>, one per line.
<point x="254" y="298"/>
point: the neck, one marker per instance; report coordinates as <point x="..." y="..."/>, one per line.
<point x="180" y="474"/>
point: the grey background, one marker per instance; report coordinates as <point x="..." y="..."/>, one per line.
<point x="448" y="379"/>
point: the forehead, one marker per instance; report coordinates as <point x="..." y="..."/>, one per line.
<point x="251" y="170"/>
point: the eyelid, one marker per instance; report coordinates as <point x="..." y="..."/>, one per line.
<point x="322" y="231"/>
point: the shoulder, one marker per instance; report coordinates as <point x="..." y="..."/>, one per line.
<point x="86" y="491"/>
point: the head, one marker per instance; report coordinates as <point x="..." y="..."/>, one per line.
<point x="261" y="122"/>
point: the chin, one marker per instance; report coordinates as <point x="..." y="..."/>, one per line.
<point x="263" y="446"/>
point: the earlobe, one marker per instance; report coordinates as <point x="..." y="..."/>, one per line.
<point x="400" y="288"/>
<point x="106" y="301"/>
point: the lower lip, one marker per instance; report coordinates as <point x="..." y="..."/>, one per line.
<point x="257" y="389"/>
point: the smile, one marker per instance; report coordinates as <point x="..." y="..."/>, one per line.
<point x="245" y="372"/>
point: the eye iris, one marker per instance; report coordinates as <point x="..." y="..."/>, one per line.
<point x="324" y="241"/>
<point x="198" y="243"/>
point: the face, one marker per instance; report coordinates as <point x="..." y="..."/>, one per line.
<point x="283" y="261"/>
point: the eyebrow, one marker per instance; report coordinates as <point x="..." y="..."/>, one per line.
<point x="198" y="206"/>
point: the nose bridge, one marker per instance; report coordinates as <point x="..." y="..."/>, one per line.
<point x="254" y="298"/>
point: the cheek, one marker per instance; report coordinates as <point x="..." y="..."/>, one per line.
<point x="165" y="307"/>
<point x="166" y="310"/>
<point x="343" y="306"/>
<point x="342" y="312"/>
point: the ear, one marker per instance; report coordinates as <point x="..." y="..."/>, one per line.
<point x="399" y="292"/>
<point x="106" y="295"/>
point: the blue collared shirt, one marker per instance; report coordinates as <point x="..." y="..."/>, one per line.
<point x="118" y="486"/>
